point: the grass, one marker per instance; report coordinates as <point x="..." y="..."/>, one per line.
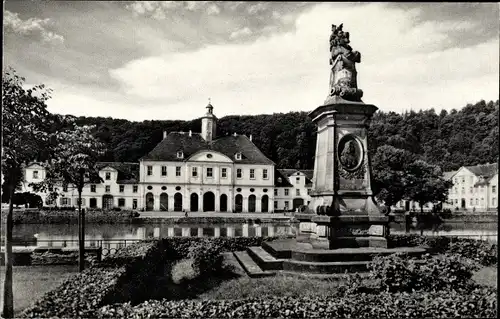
<point x="486" y="276"/>
<point x="32" y="282"/>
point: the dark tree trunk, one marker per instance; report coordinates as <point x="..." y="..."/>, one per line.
<point x="8" y="296"/>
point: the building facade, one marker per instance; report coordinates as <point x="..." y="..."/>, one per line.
<point x="474" y="188"/>
<point x="193" y="172"/>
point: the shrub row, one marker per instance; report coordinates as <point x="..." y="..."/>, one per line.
<point x="397" y="272"/>
<point x="70" y="216"/>
<point x="482" y="252"/>
<point x="117" y="278"/>
<point x="479" y="303"/>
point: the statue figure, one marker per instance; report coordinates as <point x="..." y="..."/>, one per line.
<point x="343" y="58"/>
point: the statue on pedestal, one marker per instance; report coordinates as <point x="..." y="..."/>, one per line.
<point x="343" y="81"/>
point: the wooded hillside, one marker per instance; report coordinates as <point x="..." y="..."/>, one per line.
<point x="449" y="139"/>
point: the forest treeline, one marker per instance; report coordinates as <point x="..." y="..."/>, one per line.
<point x="449" y="139"/>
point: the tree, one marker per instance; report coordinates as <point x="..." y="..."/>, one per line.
<point x="426" y="184"/>
<point x="25" y="119"/>
<point x="74" y="163"/>
<point x="389" y="165"/>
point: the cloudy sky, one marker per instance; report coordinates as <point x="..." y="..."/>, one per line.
<point x="163" y="60"/>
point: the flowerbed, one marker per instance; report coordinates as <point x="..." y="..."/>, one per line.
<point x="482" y="252"/>
<point x="71" y="216"/>
<point x="117" y="278"/>
<point x="479" y="303"/>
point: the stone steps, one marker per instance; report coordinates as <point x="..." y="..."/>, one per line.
<point x="325" y="267"/>
<point x="250" y="266"/>
<point x="264" y="259"/>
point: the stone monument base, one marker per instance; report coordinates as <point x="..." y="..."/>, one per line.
<point x="346" y="231"/>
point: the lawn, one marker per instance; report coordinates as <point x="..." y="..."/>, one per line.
<point x="32" y="282"/>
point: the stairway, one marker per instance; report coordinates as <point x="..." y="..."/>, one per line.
<point x="292" y="257"/>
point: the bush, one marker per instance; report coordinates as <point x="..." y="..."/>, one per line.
<point x="116" y="279"/>
<point x="482" y="252"/>
<point x="446" y="213"/>
<point x="399" y="273"/>
<point x="479" y="303"/>
<point x="183" y="270"/>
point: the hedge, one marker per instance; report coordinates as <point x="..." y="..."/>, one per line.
<point x="482" y="252"/>
<point x="117" y="278"/>
<point x="71" y="216"/>
<point x="479" y="303"/>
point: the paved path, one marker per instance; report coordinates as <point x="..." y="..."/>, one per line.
<point x="162" y="214"/>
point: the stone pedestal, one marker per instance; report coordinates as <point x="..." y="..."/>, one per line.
<point x="342" y="212"/>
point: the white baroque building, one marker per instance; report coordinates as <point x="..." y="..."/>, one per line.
<point x="190" y="171"/>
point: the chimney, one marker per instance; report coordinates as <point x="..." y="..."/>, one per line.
<point x="164" y="134"/>
<point x="190" y="133"/>
<point x="250" y="137"/>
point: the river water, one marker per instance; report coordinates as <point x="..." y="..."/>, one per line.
<point x="118" y="234"/>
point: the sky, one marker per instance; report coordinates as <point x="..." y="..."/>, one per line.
<point x="163" y="60"/>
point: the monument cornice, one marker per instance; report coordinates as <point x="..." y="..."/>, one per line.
<point x="344" y="108"/>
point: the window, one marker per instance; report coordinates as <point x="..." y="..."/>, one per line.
<point x="309" y="193"/>
<point x="297" y="180"/>
<point x="237" y="156"/>
<point x="482" y="201"/>
<point x="297" y="192"/>
<point x="163" y="171"/>
<point x="493" y="188"/>
<point x="177" y="171"/>
<point x="286" y="191"/>
<point x="134" y="203"/>
<point x="35" y="174"/>
<point x="275" y="205"/>
<point x="108" y="176"/>
<point x="121" y="202"/>
<point x="286" y="204"/>
<point x="238" y="173"/>
<point x="51" y="188"/>
<point x="252" y="173"/>
<point x="82" y="201"/>
<point x="264" y="174"/>
<point x="463" y="190"/>
<point x="65" y="201"/>
<point x="223" y="172"/>
<point x="463" y="179"/>
<point x="471" y="202"/>
<point x="49" y="201"/>
<point x="275" y="192"/>
<point x="210" y="172"/>
<point x="493" y="201"/>
<point x="194" y="171"/>
<point x="150" y="170"/>
<point x="108" y="188"/>
<point x="180" y="154"/>
<point x="92" y="188"/>
<point x="65" y="188"/>
<point x="122" y="188"/>
<point x="135" y="188"/>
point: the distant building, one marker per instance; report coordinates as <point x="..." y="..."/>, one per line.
<point x="192" y="172"/>
<point x="474" y="188"/>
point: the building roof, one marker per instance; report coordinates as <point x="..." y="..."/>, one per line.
<point x="485" y="170"/>
<point x="287" y="172"/>
<point x="167" y="149"/>
<point x="281" y="180"/>
<point x="449" y="175"/>
<point x="128" y="173"/>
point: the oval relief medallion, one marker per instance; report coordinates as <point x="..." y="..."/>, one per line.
<point x="350" y="152"/>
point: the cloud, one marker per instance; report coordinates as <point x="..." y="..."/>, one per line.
<point x="403" y="65"/>
<point x="258" y="7"/>
<point x="161" y="9"/>
<point x="241" y="33"/>
<point x="32" y="26"/>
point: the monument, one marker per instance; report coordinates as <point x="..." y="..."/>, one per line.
<point x="343" y="228"/>
<point x="342" y="212"/>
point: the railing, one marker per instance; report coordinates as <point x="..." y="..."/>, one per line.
<point x="108" y="246"/>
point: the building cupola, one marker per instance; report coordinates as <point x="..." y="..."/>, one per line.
<point x="208" y="123"/>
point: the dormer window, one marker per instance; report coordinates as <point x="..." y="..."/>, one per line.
<point x="237" y="156"/>
<point x="180" y="154"/>
<point x="108" y="176"/>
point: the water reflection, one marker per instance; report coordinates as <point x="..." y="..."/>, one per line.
<point x="124" y="234"/>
